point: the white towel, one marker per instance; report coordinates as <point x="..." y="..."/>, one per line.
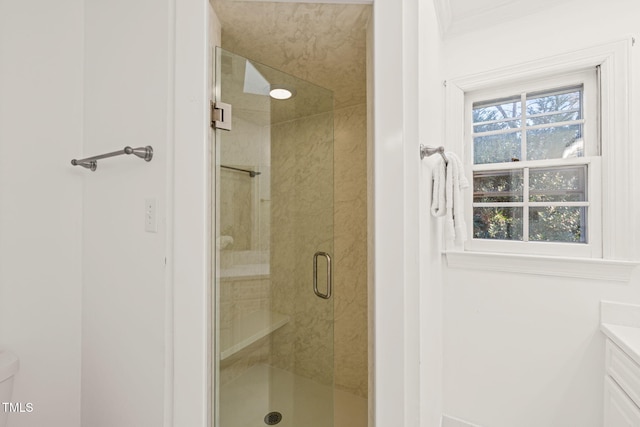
<point x="447" y="200"/>
<point x="438" y="203"/>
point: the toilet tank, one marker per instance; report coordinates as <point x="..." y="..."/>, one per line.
<point x="8" y="367"/>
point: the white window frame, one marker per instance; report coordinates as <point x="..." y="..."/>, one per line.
<point x="588" y="78"/>
<point x="618" y="255"/>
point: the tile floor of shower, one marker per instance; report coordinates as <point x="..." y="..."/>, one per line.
<point x="262" y="389"/>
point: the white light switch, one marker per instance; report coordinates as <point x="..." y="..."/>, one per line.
<point x="150" y="221"/>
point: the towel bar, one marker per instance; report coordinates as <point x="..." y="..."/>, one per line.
<point x="145" y="153"/>
<point x="429" y="151"/>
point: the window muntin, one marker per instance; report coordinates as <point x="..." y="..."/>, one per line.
<point x="529" y="126"/>
<point x="547" y="204"/>
<point x="532" y="154"/>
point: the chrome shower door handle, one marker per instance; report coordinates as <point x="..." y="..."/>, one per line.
<point x="326" y="295"/>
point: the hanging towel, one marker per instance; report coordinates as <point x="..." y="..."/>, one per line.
<point x="447" y="200"/>
<point x="438" y="202"/>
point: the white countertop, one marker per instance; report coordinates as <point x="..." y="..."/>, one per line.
<point x="626" y="337"/>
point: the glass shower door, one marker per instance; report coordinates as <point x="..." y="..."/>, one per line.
<point x="273" y="322"/>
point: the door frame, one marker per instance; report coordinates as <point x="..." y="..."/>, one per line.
<point x="395" y="339"/>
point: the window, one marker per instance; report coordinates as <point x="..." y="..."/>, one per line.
<point x="611" y="203"/>
<point x="534" y="157"/>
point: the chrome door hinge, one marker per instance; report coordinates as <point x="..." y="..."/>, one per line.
<point x="220" y="115"/>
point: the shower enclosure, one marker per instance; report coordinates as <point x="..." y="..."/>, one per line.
<point x="272" y="304"/>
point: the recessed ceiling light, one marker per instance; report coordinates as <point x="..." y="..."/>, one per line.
<point x="281" y="92"/>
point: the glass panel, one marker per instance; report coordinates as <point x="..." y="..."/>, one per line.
<point x="501" y="125"/>
<point x="556" y="142"/>
<point x="558" y="224"/>
<point x="542" y="108"/>
<point x="544" y="119"/>
<point x="274" y="211"/>
<point x="497" y="148"/>
<point x="503" y="223"/>
<point x="559" y="184"/>
<point x="497" y="186"/>
<point x="555" y="101"/>
<point x="500" y="114"/>
<point x="498" y="109"/>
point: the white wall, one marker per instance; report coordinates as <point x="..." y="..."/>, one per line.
<point x="396" y="360"/>
<point x="41" y="46"/>
<point x="431" y="118"/>
<point x="191" y="194"/>
<point x="520" y="349"/>
<point x="114" y="63"/>
<point x="128" y="91"/>
<point x="81" y="78"/>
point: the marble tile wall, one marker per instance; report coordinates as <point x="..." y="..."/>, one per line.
<point x="319" y="42"/>
<point x="302" y="213"/>
<point x="350" y="213"/>
<point x="301" y="221"/>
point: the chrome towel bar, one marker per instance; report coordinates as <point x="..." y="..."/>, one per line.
<point x="145" y="153"/>
<point x="429" y="151"/>
<point x="251" y="173"/>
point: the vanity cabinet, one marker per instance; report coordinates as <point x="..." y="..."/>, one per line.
<point x="621" y="389"/>
<point x="619" y="410"/>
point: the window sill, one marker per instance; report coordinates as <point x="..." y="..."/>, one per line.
<point x="583" y="268"/>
